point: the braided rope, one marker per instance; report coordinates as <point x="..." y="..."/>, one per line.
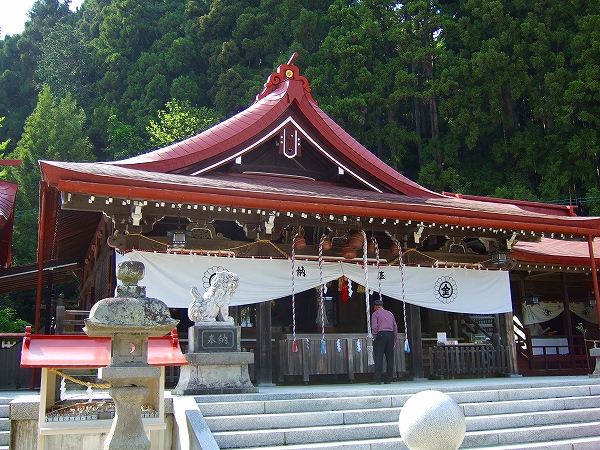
<point x="321" y="293"/>
<point x="378" y="264"/>
<point x="76" y="381"/>
<point x="294" y="343"/>
<point x="366" y="269"/>
<point x="401" y="267"/>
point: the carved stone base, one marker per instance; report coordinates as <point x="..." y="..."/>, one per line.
<point x="595" y="353"/>
<point x="215" y="373"/>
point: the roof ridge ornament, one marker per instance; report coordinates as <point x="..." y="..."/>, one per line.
<point x="284" y="72"/>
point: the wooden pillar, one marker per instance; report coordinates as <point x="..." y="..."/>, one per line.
<point x="263" y="358"/>
<point x="594" y="273"/>
<point x="40" y="254"/>
<point x="507" y="331"/>
<point x="49" y="295"/>
<point x="415" y="356"/>
<point x="567" y="317"/>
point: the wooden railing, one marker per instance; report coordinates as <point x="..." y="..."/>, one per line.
<point x="70" y="321"/>
<point x="556" y="354"/>
<point x="345" y="354"/>
<point x="450" y="361"/>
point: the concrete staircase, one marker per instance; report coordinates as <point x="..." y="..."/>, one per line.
<point x="4" y="421"/>
<point x="525" y="413"/>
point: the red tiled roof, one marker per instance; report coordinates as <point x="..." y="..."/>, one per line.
<point x="555" y="251"/>
<point x="544" y="208"/>
<point x="8" y="193"/>
<point x="270" y="109"/>
<point x="284" y="194"/>
<point x="223" y="136"/>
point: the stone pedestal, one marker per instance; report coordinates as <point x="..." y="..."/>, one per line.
<point x="215" y="363"/>
<point x="595" y="353"/>
<point x="127" y="431"/>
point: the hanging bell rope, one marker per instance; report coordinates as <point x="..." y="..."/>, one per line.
<point x="322" y="294"/>
<point x="370" y="358"/>
<point x="401" y="267"/>
<point x="376" y="247"/>
<point x="294" y="343"/>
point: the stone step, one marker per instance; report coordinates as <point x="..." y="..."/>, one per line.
<point x="530" y="435"/>
<point x="391" y="415"/>
<point x="242" y="405"/>
<point x="355" y="434"/>
<point x="515" y="417"/>
<point x="544" y="404"/>
<point x="588" y="443"/>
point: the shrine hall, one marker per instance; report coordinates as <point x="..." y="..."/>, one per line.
<point x="317" y="227"/>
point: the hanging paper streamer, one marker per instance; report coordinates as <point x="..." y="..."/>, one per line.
<point x="294" y="343"/>
<point x="322" y="294"/>
<point x="63" y="389"/>
<point x="401" y="266"/>
<point x="370" y="359"/>
<point x="378" y="264"/>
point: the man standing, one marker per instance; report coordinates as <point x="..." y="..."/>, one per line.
<point x="385" y="332"/>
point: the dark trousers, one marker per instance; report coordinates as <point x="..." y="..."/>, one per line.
<point x="384" y="345"/>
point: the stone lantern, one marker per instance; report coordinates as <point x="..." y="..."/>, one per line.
<point x="129" y="319"/>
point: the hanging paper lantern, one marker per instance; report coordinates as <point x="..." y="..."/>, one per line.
<point x="326" y="244"/>
<point x="394" y="249"/>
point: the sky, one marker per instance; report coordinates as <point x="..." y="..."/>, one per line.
<point x="13" y="15"/>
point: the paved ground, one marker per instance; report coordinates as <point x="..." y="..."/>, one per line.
<point x="399" y="386"/>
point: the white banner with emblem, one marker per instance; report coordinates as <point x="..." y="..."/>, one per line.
<point x="169" y="277"/>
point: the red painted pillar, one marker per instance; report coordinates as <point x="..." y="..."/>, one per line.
<point x="594" y="274"/>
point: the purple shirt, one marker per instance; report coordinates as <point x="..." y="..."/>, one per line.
<point x="383" y="320"/>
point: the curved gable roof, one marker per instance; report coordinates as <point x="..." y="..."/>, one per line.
<point x="269" y="111"/>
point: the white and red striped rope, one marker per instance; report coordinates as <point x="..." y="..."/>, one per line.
<point x="401" y="267"/>
<point x="366" y="270"/>
<point x="322" y="293"/>
<point x="294" y="343"/>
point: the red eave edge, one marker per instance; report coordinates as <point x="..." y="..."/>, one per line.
<point x="425" y="213"/>
<point x="81" y="351"/>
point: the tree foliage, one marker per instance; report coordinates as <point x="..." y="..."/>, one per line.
<point x="55" y="131"/>
<point x="9" y="323"/>
<point x="179" y="121"/>
<point x="485" y="97"/>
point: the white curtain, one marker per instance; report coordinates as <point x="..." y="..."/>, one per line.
<point x="545" y="311"/>
<point x="169" y="277"/>
<point x="589" y="313"/>
<point x="541" y="312"/>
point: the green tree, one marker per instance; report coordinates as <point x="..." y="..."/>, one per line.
<point x="53" y="131"/>
<point x="3" y="146"/>
<point x="179" y="121"/>
<point x="9" y="323"/>
<point x="65" y="63"/>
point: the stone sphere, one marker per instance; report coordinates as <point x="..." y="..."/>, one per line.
<point x="431" y="420"/>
